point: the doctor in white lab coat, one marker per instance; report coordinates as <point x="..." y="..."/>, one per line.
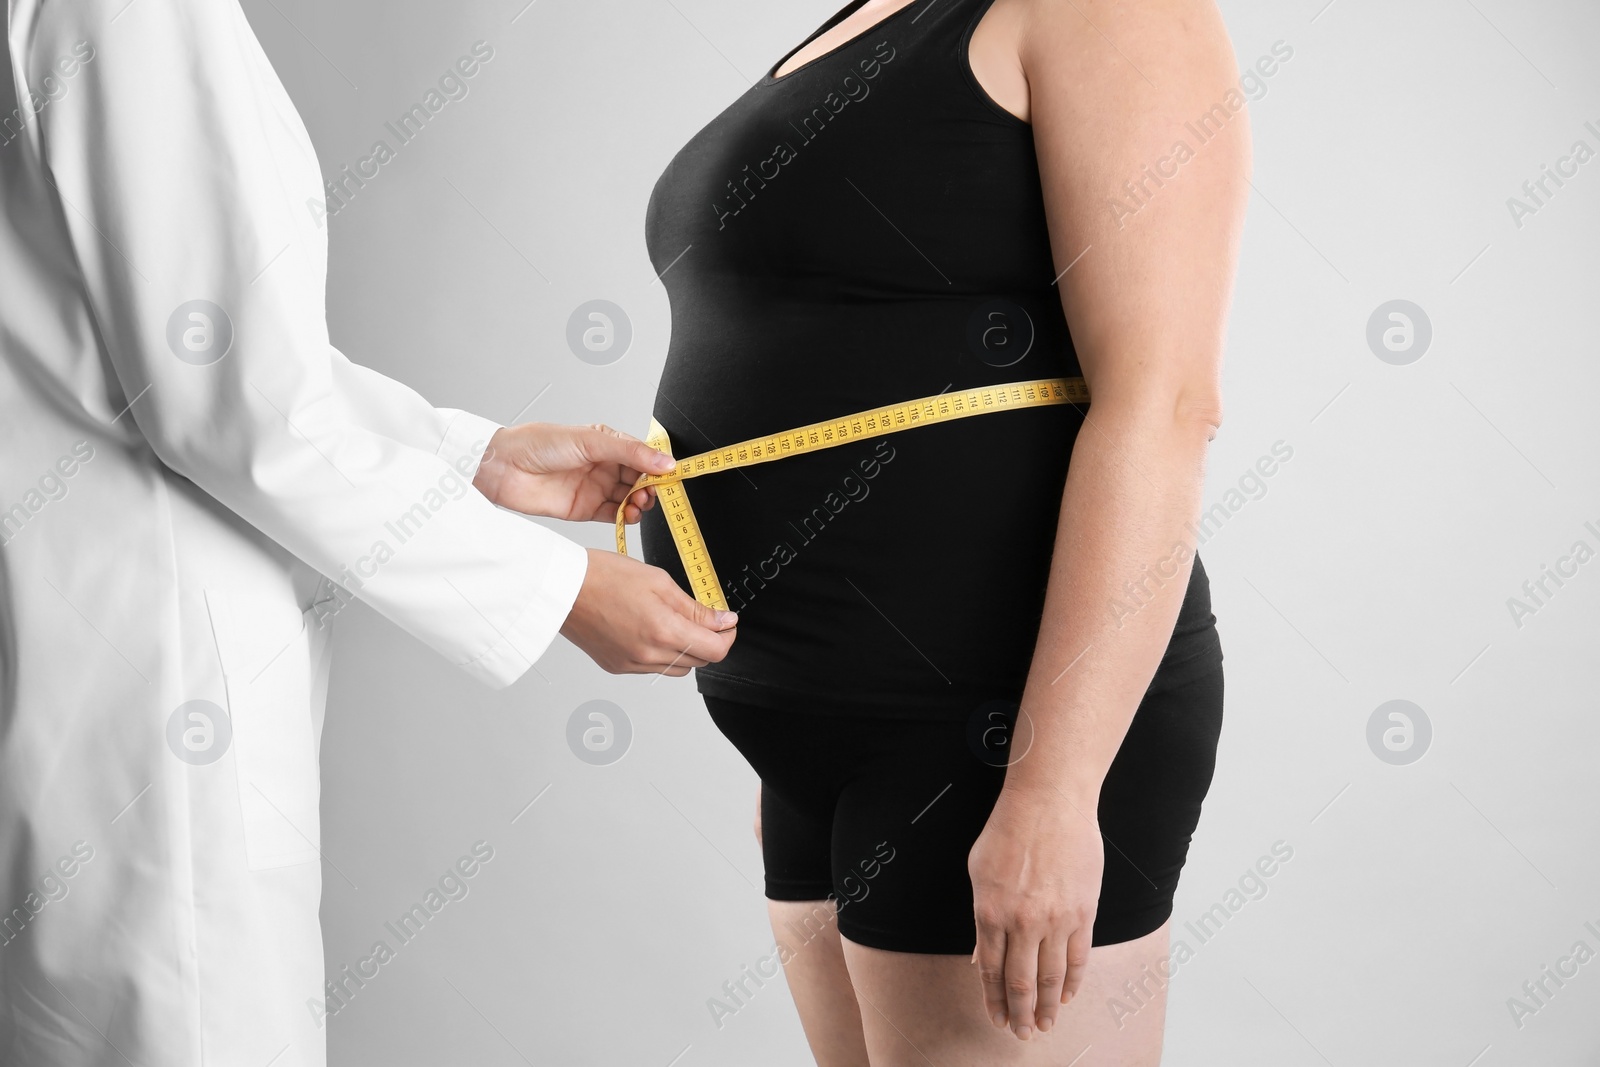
<point x="191" y="481"/>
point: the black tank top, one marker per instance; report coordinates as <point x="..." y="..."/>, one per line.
<point x="868" y="229"/>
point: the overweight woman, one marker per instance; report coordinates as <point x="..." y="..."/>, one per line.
<point x="977" y="669"/>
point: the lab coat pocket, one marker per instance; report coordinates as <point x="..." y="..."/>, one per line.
<point x="266" y="654"/>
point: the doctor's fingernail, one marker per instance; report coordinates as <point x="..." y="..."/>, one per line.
<point x="726" y="619"/>
<point x="999" y="1018"/>
<point x="661" y="462"/>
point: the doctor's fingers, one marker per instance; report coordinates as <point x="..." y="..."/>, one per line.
<point x="694" y="645"/>
<point x="637" y="504"/>
<point x="698" y="630"/>
<point x="676" y="651"/>
<point x="643" y="499"/>
<point x="659" y="650"/>
<point x="602" y="444"/>
<point x="677" y="667"/>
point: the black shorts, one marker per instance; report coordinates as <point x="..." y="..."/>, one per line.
<point x="879" y="814"/>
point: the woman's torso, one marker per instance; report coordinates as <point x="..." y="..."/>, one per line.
<point x="869" y="229"/>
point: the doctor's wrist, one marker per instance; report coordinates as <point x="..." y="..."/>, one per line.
<point x="492" y="468"/>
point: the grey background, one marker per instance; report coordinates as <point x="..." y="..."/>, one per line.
<point x="1376" y="567"/>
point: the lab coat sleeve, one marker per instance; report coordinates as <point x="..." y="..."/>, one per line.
<point x="186" y="175"/>
<point x="395" y="410"/>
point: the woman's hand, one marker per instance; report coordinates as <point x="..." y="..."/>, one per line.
<point x="576" y="473"/>
<point x="1036" y="872"/>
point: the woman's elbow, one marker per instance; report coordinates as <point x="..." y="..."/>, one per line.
<point x="1167" y="412"/>
<point x="1200" y="411"/>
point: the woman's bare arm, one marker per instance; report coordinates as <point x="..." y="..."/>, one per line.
<point x="1113" y="89"/>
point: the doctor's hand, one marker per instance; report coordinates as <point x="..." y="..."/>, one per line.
<point x="578" y="473"/>
<point x="631" y="618"/>
<point x="1036" y="872"/>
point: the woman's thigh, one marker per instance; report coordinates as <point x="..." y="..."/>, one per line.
<point x="918" y="1009"/>
<point x="881" y="816"/>
<point x="807" y="933"/>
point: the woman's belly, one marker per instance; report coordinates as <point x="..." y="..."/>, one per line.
<point x="901" y="571"/>
<point x="905" y="574"/>
<point x="906" y="571"/>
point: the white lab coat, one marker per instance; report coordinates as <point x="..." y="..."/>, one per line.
<point x="165" y="522"/>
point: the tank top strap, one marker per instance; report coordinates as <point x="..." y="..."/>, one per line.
<point x="950" y="16"/>
<point x="931" y="37"/>
<point x="932" y="44"/>
<point x="946" y="21"/>
<point x="932" y="29"/>
<point x="937" y="26"/>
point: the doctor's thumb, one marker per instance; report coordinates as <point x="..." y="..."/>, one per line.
<point x="604" y="445"/>
<point x="710" y="618"/>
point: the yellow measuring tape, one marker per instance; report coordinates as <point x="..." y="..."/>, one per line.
<point x="945" y="407"/>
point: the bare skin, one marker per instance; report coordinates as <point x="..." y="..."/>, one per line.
<point x="863" y="1007"/>
<point x="576" y="473"/>
<point x="921" y="1008"/>
<point x="1108" y="89"/>
<point x="819" y="981"/>
<point x="628" y="617"/>
<point x="631" y="618"/>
